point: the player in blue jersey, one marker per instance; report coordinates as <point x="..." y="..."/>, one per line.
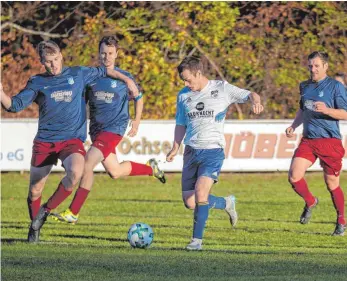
<point x="341" y="77"/>
<point x="61" y="129"/>
<point x="323" y="102"/>
<point x="200" y="114"/>
<point x="109" y="117"/>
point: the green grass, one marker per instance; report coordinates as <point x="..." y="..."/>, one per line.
<point x="268" y="243"/>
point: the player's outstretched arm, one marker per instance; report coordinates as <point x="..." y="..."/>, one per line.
<point x="296" y="123"/>
<point x="130" y="83"/>
<point x="6" y="101"/>
<point x="256" y="104"/>
<point x="180" y="131"/>
<point x="138" y="113"/>
<point x="20" y="101"/>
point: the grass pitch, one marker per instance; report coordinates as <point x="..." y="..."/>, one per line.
<point x="268" y="243"/>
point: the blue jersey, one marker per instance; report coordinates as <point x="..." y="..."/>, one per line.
<point x="334" y="95"/>
<point x="62" y="108"/>
<point x="109" y="105"/>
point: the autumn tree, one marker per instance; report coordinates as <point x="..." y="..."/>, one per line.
<point x="262" y="46"/>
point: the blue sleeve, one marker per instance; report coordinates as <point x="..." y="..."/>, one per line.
<point x="130" y="76"/>
<point x="300" y="102"/>
<point x="91" y="73"/>
<point x="180" y="112"/>
<point x="341" y="97"/>
<point x="24" y="98"/>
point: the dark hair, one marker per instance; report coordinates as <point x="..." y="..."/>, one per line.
<point x="341" y="75"/>
<point x="322" y="55"/>
<point x="47" y="48"/>
<point x="109" y="41"/>
<point x="193" y="64"/>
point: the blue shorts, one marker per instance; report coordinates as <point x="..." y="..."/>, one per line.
<point x="200" y="162"/>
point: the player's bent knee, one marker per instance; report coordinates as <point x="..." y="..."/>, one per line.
<point x="74" y="177"/>
<point x="114" y="175"/>
<point x="88" y="166"/>
<point x="70" y="188"/>
<point x="35" y="192"/>
<point x="332" y="184"/>
<point x="189" y="205"/>
<point x="88" y="169"/>
<point x="293" y="178"/>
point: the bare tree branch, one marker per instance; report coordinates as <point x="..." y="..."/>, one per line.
<point x="192" y="52"/>
<point x="137" y="28"/>
<point x="126" y="29"/>
<point x="180" y="54"/>
<point x="66" y="17"/>
<point x="34" y="32"/>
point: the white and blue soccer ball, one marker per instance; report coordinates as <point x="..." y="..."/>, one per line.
<point x="140" y="235"/>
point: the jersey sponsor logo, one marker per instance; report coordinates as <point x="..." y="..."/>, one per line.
<point x="200" y="106"/>
<point x="188" y="100"/>
<point x="104" y="96"/>
<point x="201" y="114"/>
<point x="214" y="94"/>
<point x="321" y="94"/>
<point x="113" y="84"/>
<point x="309" y="104"/>
<point x="62" y="96"/>
<point x="70" y="81"/>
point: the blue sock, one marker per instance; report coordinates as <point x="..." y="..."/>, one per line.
<point x="216" y="202"/>
<point x="200" y="218"/>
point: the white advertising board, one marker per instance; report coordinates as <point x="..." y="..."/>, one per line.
<point x="251" y="145"/>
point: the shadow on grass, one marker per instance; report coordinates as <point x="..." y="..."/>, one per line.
<point x="136" y="200"/>
<point x="96" y="227"/>
<point x="176" y="249"/>
<point x="12" y="240"/>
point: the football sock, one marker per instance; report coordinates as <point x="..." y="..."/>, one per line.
<point x="216" y="202"/>
<point x="79" y="199"/>
<point x="59" y="196"/>
<point x="34" y="207"/>
<point x="138" y="169"/>
<point x="339" y="204"/>
<point x="200" y="218"/>
<point x="301" y="188"/>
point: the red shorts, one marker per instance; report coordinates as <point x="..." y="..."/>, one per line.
<point x="329" y="151"/>
<point x="106" y="142"/>
<point x="47" y="153"/>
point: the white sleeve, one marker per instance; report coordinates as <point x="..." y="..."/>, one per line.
<point x="235" y="94"/>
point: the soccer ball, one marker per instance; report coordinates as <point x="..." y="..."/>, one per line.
<point x="140" y="235"/>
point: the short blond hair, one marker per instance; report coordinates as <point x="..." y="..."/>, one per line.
<point x="47" y="48"/>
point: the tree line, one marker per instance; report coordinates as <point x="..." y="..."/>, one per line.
<point x="261" y="46"/>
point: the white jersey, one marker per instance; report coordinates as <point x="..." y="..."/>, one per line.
<point x="203" y="113"/>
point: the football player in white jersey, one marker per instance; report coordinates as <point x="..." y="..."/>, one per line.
<point x="201" y="108"/>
